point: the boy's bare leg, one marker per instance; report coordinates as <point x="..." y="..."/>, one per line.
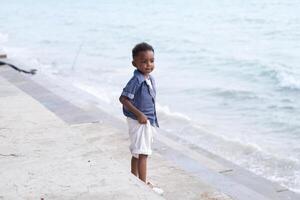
<point x="134" y="166"/>
<point x="142" y="167"/>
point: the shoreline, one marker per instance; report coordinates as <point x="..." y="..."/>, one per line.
<point x="199" y="167"/>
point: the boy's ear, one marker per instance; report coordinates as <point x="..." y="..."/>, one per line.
<point x="133" y="63"/>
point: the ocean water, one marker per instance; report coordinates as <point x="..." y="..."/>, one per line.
<point x="227" y="72"/>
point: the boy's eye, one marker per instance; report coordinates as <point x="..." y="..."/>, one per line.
<point x="146" y="61"/>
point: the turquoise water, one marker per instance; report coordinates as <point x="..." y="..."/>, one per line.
<point x="228" y="72"/>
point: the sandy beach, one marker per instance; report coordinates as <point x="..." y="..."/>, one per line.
<point x="53" y="147"/>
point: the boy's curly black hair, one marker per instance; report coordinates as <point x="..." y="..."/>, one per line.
<point x="141" y="47"/>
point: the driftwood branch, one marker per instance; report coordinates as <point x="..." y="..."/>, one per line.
<point x="32" y="71"/>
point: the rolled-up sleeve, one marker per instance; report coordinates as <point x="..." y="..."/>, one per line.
<point x="131" y="88"/>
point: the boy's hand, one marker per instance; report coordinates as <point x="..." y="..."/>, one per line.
<point x="142" y="118"/>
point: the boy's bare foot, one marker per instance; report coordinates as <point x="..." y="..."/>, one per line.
<point x="155" y="188"/>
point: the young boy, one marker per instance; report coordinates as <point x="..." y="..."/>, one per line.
<point x="138" y="99"/>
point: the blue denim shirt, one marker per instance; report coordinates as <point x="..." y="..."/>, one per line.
<point x="141" y="96"/>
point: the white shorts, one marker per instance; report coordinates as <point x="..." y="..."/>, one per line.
<point x="141" y="137"/>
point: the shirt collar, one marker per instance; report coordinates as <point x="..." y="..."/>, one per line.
<point x="140" y="76"/>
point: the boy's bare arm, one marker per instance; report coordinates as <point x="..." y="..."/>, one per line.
<point x="142" y="119"/>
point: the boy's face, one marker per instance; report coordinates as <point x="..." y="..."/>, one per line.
<point x="144" y="62"/>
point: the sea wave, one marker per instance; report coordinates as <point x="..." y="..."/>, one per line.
<point x="234" y="93"/>
<point x="284" y="75"/>
<point x="166" y="112"/>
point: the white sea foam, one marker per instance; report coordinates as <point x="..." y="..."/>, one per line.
<point x="288" y="80"/>
<point x="97" y="92"/>
<point x="284" y="75"/>
<point x="165" y="112"/>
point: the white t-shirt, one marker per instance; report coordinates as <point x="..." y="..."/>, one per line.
<point x="149" y="83"/>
